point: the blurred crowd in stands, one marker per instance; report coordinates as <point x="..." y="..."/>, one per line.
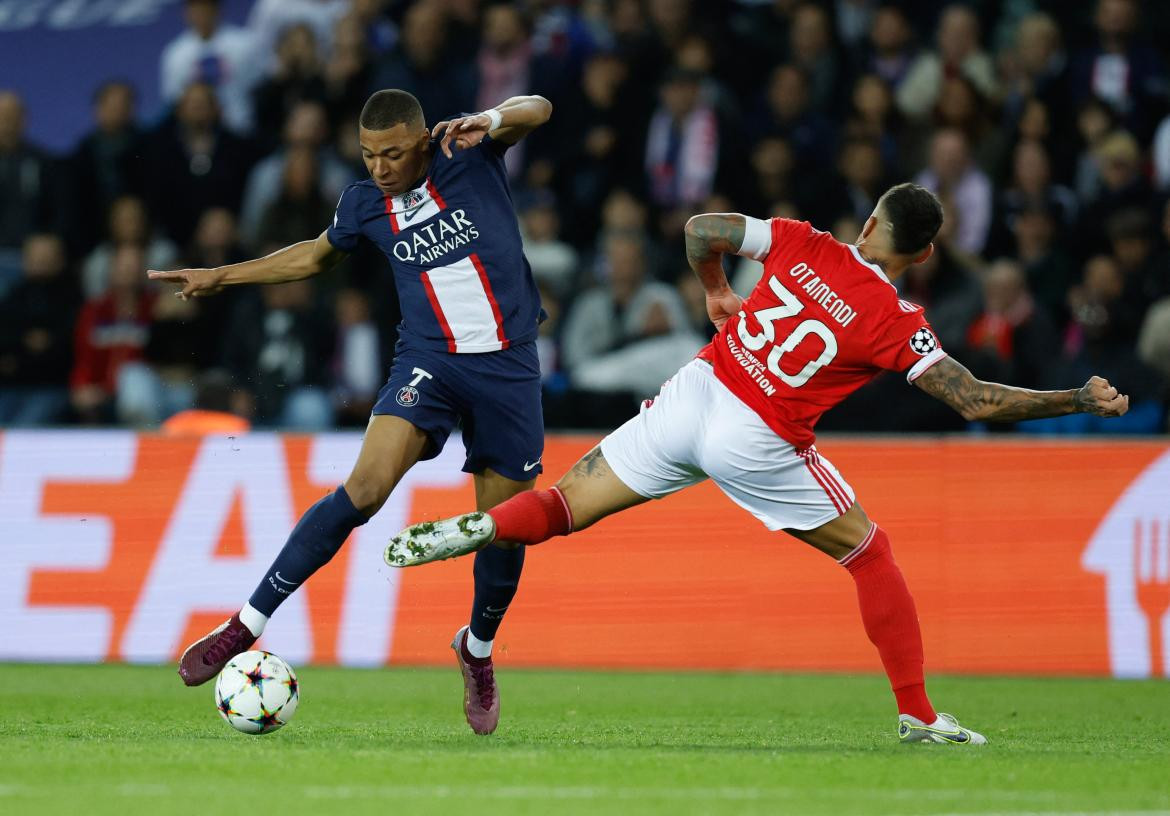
<point x="1043" y="125"/>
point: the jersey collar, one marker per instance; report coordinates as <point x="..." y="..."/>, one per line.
<point x="876" y="269"/>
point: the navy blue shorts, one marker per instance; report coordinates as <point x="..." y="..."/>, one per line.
<point x="494" y="397"/>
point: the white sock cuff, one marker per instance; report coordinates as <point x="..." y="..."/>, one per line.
<point x="254" y="619"/>
<point x="477" y="647"/>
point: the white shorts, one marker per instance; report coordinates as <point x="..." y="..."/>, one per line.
<point x="696" y="428"/>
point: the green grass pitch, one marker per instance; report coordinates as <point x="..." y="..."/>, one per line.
<point x="133" y="740"/>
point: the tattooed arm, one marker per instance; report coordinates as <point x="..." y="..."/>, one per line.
<point x="950" y="382"/>
<point x="709" y="237"/>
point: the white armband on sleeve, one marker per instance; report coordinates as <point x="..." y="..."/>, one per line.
<point x="757" y="239"/>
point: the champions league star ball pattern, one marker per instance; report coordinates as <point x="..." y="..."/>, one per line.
<point x="923" y="342"/>
<point x="257" y="692"/>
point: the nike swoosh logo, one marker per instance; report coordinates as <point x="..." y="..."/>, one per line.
<point x="283" y="581"/>
<point x="493" y="609"/>
<point x="528" y="466"/>
<point x="409" y="215"/>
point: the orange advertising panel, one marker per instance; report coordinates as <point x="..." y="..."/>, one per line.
<point x="1025" y="557"/>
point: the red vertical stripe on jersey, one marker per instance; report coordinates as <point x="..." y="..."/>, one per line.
<point x="438" y="199"/>
<point x="390" y="213"/>
<point x="442" y="318"/>
<point x="487" y="290"/>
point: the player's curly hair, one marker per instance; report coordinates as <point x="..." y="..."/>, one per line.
<point x="914" y="215"/>
<point x="385" y="109"/>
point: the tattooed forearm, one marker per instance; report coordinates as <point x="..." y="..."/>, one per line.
<point x="709" y="237"/>
<point x="952" y="383"/>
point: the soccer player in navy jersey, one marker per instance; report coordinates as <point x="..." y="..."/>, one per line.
<point x="437" y="204"/>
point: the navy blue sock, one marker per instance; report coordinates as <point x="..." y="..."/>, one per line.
<point x="497" y="574"/>
<point x="316" y="538"/>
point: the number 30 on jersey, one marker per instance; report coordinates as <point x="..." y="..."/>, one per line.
<point x="789" y="306"/>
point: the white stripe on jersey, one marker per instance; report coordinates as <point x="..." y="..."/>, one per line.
<point x="465" y="306"/>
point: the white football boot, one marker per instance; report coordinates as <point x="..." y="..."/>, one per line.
<point x="436" y="540"/>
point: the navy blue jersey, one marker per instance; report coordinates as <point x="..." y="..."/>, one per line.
<point x="454" y="244"/>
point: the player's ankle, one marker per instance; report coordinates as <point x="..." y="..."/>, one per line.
<point x="476" y="650"/>
<point x="254" y="619"/>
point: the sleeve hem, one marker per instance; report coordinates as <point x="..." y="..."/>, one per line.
<point x="757" y="238"/>
<point x="919" y="368"/>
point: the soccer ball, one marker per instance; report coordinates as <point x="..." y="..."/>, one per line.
<point x="257" y="692"/>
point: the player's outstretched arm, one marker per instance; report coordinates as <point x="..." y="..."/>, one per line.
<point x="710" y="236"/>
<point x="949" y="381"/>
<point x="508" y="122"/>
<point x="302" y="260"/>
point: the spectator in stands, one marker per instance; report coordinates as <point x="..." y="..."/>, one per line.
<point x="1101" y="338"/>
<point x="863" y="180"/>
<point x="1120" y="70"/>
<point x="1038" y="65"/>
<point x="129" y="225"/>
<point x="1130" y="233"/>
<point x="958" y="50"/>
<point x="30" y="198"/>
<point x="195" y="164"/>
<point x="627" y="309"/>
<point x="554" y="262"/>
<point x="105" y="165"/>
<point x="1123" y="185"/>
<point x="1047" y="265"/>
<point x="1095" y="123"/>
<point x="772" y="164"/>
<point x="964" y="189"/>
<point x="596" y="143"/>
<point x="298" y="76"/>
<point x="222" y="55"/>
<point x="36" y="321"/>
<point x="787" y="114"/>
<point x="215" y="242"/>
<point x="306" y="129"/>
<point x="270" y="20"/>
<point x="682" y="144"/>
<point x="347" y="71"/>
<point x="299" y="209"/>
<point x="112" y="332"/>
<point x="279" y="345"/>
<point x="961" y="106"/>
<point x="443" y="82"/>
<point x="504" y="65"/>
<point x="357" y="366"/>
<point x="946" y="285"/>
<point x="874" y="118"/>
<point x="1031" y="187"/>
<point x="1012" y="334"/>
<point x="892" y="50"/>
<point x="810" y="48"/>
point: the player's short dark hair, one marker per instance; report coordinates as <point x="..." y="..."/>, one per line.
<point x="391" y="107"/>
<point x="914" y="214"/>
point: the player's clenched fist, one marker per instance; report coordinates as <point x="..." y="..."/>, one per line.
<point x="1098" y="397"/>
<point x="194" y="282"/>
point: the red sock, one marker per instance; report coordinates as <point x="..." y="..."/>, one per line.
<point x="532" y="516"/>
<point x="887" y="610"/>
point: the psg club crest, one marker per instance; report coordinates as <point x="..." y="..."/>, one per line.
<point x="923" y="342"/>
<point x="411" y="199"/>
<point x="407" y="396"/>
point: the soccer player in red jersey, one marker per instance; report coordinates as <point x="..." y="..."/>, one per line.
<point x="824" y="320"/>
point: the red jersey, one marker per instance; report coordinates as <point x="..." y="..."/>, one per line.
<point x="821" y="323"/>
